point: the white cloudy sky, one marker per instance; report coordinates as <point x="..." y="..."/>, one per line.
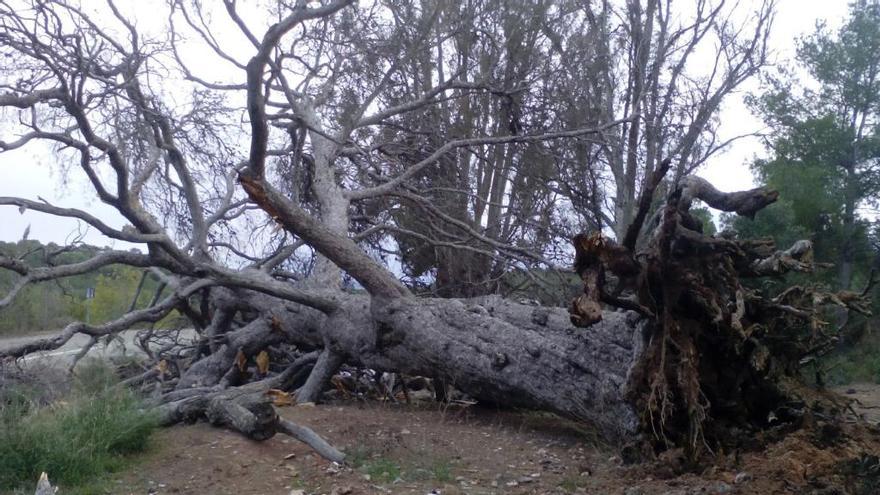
<point x="30" y="173"/>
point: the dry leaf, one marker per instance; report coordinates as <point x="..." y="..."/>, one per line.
<point x="263" y="362"/>
<point x="241" y="361"/>
<point x="280" y="398"/>
<point x="162" y="367"/>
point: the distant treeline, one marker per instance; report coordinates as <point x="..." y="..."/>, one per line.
<point x="51" y="305"/>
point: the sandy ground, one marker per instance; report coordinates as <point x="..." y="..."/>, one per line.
<point x="867" y="399"/>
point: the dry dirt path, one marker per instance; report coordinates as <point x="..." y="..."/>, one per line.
<point x="866" y="397"/>
<point x="427" y="450"/>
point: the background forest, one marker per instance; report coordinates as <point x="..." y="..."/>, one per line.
<point x="50" y="306"/>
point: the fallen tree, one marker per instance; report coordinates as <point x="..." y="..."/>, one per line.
<point x="680" y="353"/>
<point x="694" y="354"/>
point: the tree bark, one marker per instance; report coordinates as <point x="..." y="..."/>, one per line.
<point x="495" y="350"/>
<point x="327" y="365"/>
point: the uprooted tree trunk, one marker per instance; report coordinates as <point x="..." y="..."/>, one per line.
<point x="690" y="355"/>
<point x="721" y="357"/>
<point x="693" y="355"/>
<point x="494" y="350"/>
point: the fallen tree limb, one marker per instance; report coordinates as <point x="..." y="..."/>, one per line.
<point x="310" y="438"/>
<point x="247" y="409"/>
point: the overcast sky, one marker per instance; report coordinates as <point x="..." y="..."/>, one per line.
<point x="30" y="173"/>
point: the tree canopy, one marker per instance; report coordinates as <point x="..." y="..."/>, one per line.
<point x="825" y="143"/>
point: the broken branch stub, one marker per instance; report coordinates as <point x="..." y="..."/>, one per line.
<point x="744" y="203"/>
<point x="594" y="253"/>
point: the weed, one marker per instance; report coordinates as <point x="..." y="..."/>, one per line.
<point x="441" y="471"/>
<point x="358" y="457"/>
<point x="75" y="441"/>
<point x="570" y="484"/>
<point x="382" y="470"/>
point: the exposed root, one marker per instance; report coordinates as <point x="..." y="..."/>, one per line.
<point x="721" y="358"/>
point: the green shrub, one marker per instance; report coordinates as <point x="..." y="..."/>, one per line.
<point x="857" y="363"/>
<point x="75" y="441"/>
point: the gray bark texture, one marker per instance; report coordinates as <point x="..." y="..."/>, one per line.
<point x="517" y="355"/>
<point x="495" y="350"/>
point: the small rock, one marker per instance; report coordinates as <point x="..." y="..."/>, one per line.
<point x="305" y="404"/>
<point x="368" y="477"/>
<point x="850" y="391"/>
<point x="742" y="478"/>
<point x="405" y="432"/>
<point x="722" y="488"/>
<point x="289" y="456"/>
<point x="512" y="483"/>
<point x="297" y="492"/>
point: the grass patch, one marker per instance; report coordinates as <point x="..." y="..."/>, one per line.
<point x="573" y="484"/>
<point x="427" y="469"/>
<point x="382" y="470"/>
<point x="441" y="470"/>
<point x="77" y="440"/>
<point x="385" y="470"/>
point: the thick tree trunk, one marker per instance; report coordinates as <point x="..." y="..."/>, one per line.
<point x="492" y="349"/>
<point x="495" y="350"/>
<point x="517" y="355"/>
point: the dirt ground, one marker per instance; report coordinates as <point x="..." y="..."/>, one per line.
<point x="867" y="397"/>
<point x="427" y="449"/>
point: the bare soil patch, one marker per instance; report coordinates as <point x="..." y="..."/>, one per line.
<point x="866" y="397"/>
<point x="426" y="449"/>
